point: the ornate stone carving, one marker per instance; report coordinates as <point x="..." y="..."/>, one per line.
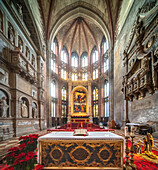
<point x="11" y="33"/>
<point x="24" y="109"/>
<point x="34" y="110"/>
<point x="20" y="44"/>
<point x="27" y="53"/>
<point x="3" y="76"/>
<point x="3" y="106"/>
<point x="33" y="60"/>
<point x="140" y="59"/>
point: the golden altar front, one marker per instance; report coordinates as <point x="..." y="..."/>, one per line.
<point x="98" y="150"/>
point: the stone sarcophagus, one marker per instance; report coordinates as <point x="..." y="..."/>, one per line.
<point x="98" y="150"/>
<point x="141" y="54"/>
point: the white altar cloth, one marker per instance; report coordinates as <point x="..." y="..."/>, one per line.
<point x="91" y="136"/>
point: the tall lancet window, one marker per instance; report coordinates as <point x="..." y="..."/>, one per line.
<point x="95" y="56"/>
<point x="53" y="96"/>
<point x="64" y="55"/>
<point x="63" y="74"/>
<point x="74" y="59"/>
<point x="54" y="47"/>
<point x="106" y="63"/>
<point x="105" y="55"/>
<point x="95" y="74"/>
<point x="63" y="93"/>
<point x="74" y="76"/>
<point x="84" y="76"/>
<point x="95" y="102"/>
<point x="53" y="65"/>
<point x="84" y="59"/>
<point x="106" y="97"/>
<point x="105" y="46"/>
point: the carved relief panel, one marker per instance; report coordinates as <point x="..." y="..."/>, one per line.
<point x="140" y="55"/>
<point x="11" y="33"/>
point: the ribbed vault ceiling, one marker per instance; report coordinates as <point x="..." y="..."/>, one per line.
<point x="79" y="35"/>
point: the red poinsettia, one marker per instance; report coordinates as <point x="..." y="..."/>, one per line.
<point x="13" y="149"/>
<point x="24" y="156"/>
<point x="38" y="167"/>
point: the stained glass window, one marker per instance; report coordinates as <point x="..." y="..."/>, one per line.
<point x="106" y="98"/>
<point x="53" y="65"/>
<point x="53" y="89"/>
<point x="95" y="74"/>
<point x="63" y="91"/>
<point x="84" y="76"/>
<point x="74" y="76"/>
<point x="74" y="60"/>
<point x="95" y="102"/>
<point x="64" y="56"/>
<point x="63" y="73"/>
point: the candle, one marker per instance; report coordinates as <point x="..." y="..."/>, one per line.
<point x="126" y="130"/>
<point x="132" y="130"/>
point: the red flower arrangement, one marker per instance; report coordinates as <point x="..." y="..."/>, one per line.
<point x="24" y="156"/>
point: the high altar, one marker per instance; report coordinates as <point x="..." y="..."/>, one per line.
<point x="98" y="150"/>
<point x="79" y="110"/>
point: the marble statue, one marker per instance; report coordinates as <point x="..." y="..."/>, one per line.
<point x="33" y="61"/>
<point x="24" y="109"/>
<point x="28" y="54"/>
<point x="11" y="34"/>
<point x="20" y="45"/>
<point x="4" y="106"/>
<point x="35" y="112"/>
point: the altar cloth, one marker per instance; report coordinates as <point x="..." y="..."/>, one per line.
<point x="91" y="136"/>
<point x="98" y="150"/>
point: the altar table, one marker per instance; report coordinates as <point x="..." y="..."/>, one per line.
<point x="98" y="150"/>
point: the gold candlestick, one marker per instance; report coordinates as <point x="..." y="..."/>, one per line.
<point x="132" y="155"/>
<point x="126" y="165"/>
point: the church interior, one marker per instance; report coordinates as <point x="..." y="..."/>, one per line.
<point x="67" y="65"/>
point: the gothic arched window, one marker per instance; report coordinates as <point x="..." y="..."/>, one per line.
<point x="74" y="76"/>
<point x="64" y="55"/>
<point x="84" y="76"/>
<point x="95" y="102"/>
<point x="74" y="60"/>
<point x="106" y="98"/>
<point x="105" y="46"/>
<point x="53" y="101"/>
<point x="106" y="63"/>
<point x="95" y="56"/>
<point x="63" y="73"/>
<point x="95" y="74"/>
<point x="53" y="89"/>
<point x="84" y="59"/>
<point x="63" y="93"/>
<point x="53" y="65"/>
<point x="54" y="46"/>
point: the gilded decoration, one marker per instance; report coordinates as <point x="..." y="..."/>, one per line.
<point x="81" y="153"/>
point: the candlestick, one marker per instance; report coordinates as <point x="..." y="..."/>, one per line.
<point x="126" y="165"/>
<point x="126" y="131"/>
<point x="132" y="155"/>
<point x="132" y="130"/>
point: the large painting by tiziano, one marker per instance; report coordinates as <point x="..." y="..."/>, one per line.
<point x="79" y="101"/>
